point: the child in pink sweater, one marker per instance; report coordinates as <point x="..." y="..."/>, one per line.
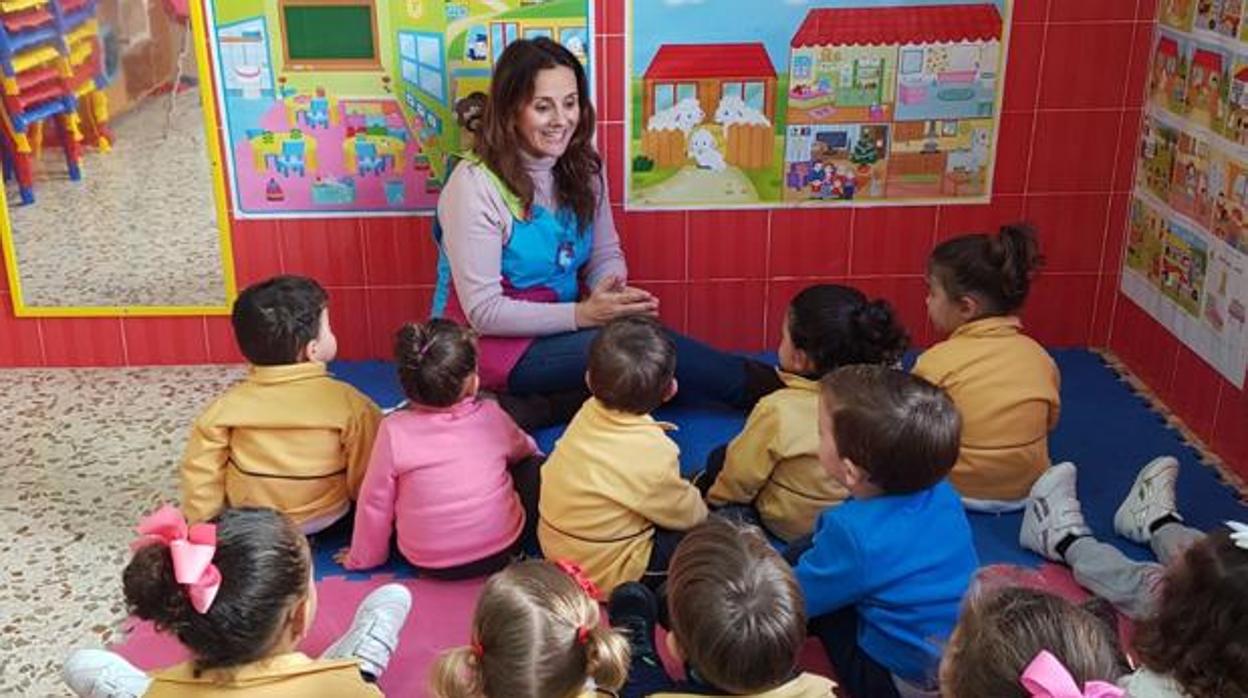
<point x="452" y="473"/>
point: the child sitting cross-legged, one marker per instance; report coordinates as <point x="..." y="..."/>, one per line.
<point x="737" y="620"/>
<point x="238" y="594"/>
<point x="612" y="498"/>
<point x="289" y="436"/>
<point x="886" y="573"/>
<point x="451" y="472"/>
<point x="770" y="473"/>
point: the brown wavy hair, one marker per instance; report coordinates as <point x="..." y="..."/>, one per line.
<point x="1001" y="631"/>
<point x="578" y="172"/>
<point x="1199" y="634"/>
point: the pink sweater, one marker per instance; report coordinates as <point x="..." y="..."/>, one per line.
<point x="476" y="224"/>
<point x="440" y="477"/>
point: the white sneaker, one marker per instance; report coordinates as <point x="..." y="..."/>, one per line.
<point x="374" y="634"/>
<point x="1052" y="512"/>
<point x="1150" y="498"/>
<point x="103" y="674"/>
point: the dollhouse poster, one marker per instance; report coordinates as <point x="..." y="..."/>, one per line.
<point x="347" y="107"/>
<point x="736" y="103"/>
<point x="1186" y="262"/>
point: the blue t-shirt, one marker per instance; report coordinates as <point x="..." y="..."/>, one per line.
<point x="904" y="561"/>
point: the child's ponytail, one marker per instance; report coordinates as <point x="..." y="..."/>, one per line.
<point x="152" y="592"/>
<point x="606" y="657"/>
<point x="878" y="336"/>
<point x="994" y="269"/>
<point x="1017" y="255"/>
<point x="457" y="674"/>
<point x="434" y="359"/>
<point x="838" y="326"/>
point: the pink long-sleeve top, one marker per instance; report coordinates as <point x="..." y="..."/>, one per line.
<point x="440" y="478"/>
<point x="476" y="225"/>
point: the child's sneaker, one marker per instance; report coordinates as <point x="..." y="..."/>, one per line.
<point x="634" y="609"/>
<point x="1151" y="499"/>
<point x="103" y="674"/>
<point x="374" y="634"/>
<point x="1053" y="513"/>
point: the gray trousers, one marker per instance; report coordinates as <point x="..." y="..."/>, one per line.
<point x="1133" y="587"/>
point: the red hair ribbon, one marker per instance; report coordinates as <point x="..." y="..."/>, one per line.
<point x="582" y="634"/>
<point x="574" y="571"/>
<point x="477" y="650"/>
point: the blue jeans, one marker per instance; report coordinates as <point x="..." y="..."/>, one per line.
<point x="556" y="364"/>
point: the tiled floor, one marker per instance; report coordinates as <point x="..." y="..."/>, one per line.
<point x="83" y="453"/>
<point x="139" y="229"/>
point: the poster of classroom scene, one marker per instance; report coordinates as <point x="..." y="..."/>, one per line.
<point x="1186" y="261"/>
<point x="742" y="104"/>
<point x="348" y="107"/>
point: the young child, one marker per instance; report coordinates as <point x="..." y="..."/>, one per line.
<point x="289" y="436"/>
<point x="1192" y="635"/>
<point x="1000" y="645"/>
<point x="773" y="466"/>
<point x="536" y="633"/>
<point x="611" y="497"/>
<point x="1003" y="382"/>
<point x="888" y="568"/>
<point x="238" y="594"/>
<point x="441" y="466"/>
<point x="737" y="620"/>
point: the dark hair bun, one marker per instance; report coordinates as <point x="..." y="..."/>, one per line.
<point x="151" y="589"/>
<point x="880" y="337"/>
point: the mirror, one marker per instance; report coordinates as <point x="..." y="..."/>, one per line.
<point x="114" y="196"/>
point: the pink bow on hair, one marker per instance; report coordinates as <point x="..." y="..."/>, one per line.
<point x="190" y="547"/>
<point x="1045" y="677"/>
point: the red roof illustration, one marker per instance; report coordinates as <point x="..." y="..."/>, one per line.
<point x="1242" y="75"/>
<point x="1208" y="59"/>
<point x="697" y="61"/>
<point x="1168" y="46"/>
<point x="928" y="24"/>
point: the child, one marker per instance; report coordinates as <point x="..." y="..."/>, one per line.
<point x="1003" y="382"/>
<point x="888" y="568"/>
<point x="612" y="498"/>
<point x="736" y="620"/>
<point x="536" y="633"/>
<point x="238" y="594"/>
<point x="441" y="464"/>
<point x="1192" y="637"/>
<point x="773" y="464"/>
<point x="289" y="436"/>
<point x="999" y="645"/>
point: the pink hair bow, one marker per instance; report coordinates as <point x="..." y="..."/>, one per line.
<point x="191" y="548"/>
<point x="1045" y="677"/>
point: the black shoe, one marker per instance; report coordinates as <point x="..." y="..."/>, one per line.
<point x="761" y="380"/>
<point x="634" y="609"/>
<point x="539" y="410"/>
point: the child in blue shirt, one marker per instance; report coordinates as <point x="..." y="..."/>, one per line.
<point x="887" y="569"/>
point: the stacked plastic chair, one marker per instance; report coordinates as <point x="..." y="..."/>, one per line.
<point x="50" y="59"/>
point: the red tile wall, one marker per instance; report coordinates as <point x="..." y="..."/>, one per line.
<point x="1071" y="116"/>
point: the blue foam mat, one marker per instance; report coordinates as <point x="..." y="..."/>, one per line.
<point x="1105" y="428"/>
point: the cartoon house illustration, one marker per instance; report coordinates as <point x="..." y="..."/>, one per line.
<point x="880" y="64"/>
<point x="1168" y="70"/>
<point x="482" y="43"/>
<point x="939" y="157"/>
<point x="1204" y="82"/>
<point x="1237" y="118"/>
<point x="729" y="88"/>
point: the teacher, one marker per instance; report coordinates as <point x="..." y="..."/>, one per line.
<point x="535" y="263"/>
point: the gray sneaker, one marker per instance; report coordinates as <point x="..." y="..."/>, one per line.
<point x="103" y="674"/>
<point x="1052" y="512"/>
<point x="1151" y="498"/>
<point x="374" y="634"/>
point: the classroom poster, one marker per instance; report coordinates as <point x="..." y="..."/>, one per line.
<point x="742" y="104"/>
<point x="347" y="107"/>
<point x="1186" y="261"/>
